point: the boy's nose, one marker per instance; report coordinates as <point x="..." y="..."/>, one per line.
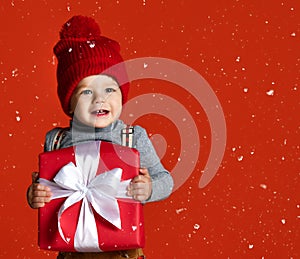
<point x="99" y="98"/>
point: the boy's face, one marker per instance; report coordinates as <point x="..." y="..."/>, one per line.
<point x="97" y="101"/>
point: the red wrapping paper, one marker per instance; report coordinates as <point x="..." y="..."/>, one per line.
<point x="110" y="238"/>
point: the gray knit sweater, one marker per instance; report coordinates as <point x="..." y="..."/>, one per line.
<point x="162" y="182"/>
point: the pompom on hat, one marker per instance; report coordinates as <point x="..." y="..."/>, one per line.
<point x="81" y="52"/>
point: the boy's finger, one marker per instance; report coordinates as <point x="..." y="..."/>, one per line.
<point x="144" y="171"/>
<point x="138" y="179"/>
<point x="40" y="187"/>
<point x="37" y="205"/>
<point x="138" y="185"/>
<point x="41" y="199"/>
<point x="39" y="193"/>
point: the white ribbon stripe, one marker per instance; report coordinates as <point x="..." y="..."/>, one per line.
<point x="100" y="192"/>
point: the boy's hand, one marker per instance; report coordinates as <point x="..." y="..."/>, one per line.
<point x="38" y="195"/>
<point x="140" y="187"/>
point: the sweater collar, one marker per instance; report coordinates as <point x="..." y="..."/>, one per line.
<point x="82" y="133"/>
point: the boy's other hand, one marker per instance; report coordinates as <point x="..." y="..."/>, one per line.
<point x="37" y="194"/>
<point x="140" y="187"/>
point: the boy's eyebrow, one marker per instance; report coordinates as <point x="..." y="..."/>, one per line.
<point x="113" y="82"/>
<point x="104" y="84"/>
<point x="112" y="86"/>
<point x="81" y="84"/>
<point x="78" y="88"/>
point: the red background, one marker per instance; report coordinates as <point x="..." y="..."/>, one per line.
<point x="243" y="49"/>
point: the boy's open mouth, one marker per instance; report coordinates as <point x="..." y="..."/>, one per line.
<point x="100" y="112"/>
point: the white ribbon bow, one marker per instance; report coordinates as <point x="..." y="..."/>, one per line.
<point x="100" y="192"/>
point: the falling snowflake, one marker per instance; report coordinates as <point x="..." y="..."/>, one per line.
<point x="18" y="118"/>
<point x="196" y="226"/>
<point x="14" y="73"/>
<point x="134" y="228"/>
<point x="240" y="158"/>
<point x="68" y="7"/>
<point x="92" y="44"/>
<point x="180" y="210"/>
<point x="263" y="186"/>
<point x="270" y="92"/>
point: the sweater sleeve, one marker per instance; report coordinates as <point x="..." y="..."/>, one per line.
<point x="162" y="182"/>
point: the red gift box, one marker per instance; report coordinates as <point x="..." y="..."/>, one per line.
<point x="60" y="221"/>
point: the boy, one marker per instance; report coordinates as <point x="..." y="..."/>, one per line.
<point x="94" y="101"/>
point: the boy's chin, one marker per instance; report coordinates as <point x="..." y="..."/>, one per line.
<point x="98" y="124"/>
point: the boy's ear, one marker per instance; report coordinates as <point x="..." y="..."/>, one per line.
<point x="72" y="105"/>
<point x="71" y="109"/>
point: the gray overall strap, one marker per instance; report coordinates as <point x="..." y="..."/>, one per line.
<point x="58" y="137"/>
<point x="127" y="136"/>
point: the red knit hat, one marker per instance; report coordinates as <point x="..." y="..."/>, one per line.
<point x="81" y="52"/>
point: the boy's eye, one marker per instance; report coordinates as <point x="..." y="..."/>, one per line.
<point x="86" y="92"/>
<point x="110" y="90"/>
